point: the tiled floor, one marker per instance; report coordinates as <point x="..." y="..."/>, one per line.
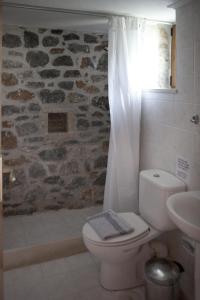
<point x="72" y="278"/>
<point x="39" y="228"/>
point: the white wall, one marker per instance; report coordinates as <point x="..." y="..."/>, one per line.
<point x="51" y="19"/>
<point x="166" y="128"/>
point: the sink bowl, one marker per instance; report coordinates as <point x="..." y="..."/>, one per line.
<point x="184" y="211"/>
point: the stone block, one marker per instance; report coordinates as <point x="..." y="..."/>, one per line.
<point x="57" y="31"/>
<point x="69" y="168"/>
<point x="9" y="140"/>
<point x="11" y="41"/>
<point x="9" y="110"/>
<point x="101" y="162"/>
<point x="97" y="123"/>
<point x="101" y="179"/>
<point x="76" y="98"/>
<point x="99" y="78"/>
<point x="36" y="170"/>
<point x="37" y="193"/>
<point x="34" y="107"/>
<point x="83" y="107"/>
<point x="35" y="84"/>
<point x="27" y="74"/>
<point x="31" y="39"/>
<point x="66" y="85"/>
<point x="21" y="118"/>
<point x="86" y="62"/>
<point x="77" y="182"/>
<point x="27" y="128"/>
<point x="72" y="73"/>
<point x="57" y="50"/>
<point x="48" y="96"/>
<point x="53" y="180"/>
<point x="37" y="58"/>
<point x="105" y="146"/>
<point x="7" y="124"/>
<point x="20" y="95"/>
<point x="86" y="197"/>
<point x="64" y="60"/>
<point x="83" y="124"/>
<point x="10" y="64"/>
<point x="101" y="102"/>
<point x="101" y="46"/>
<point x="49" y="73"/>
<point x="98" y="114"/>
<point x="103" y="63"/>
<point x="15" y="161"/>
<point x="35" y="139"/>
<point x="89" y="38"/>
<point x="15" y="53"/>
<point x="50" y="41"/>
<point x="56" y="154"/>
<point x="78" y="48"/>
<point x="9" y="79"/>
<point x="71" y="36"/>
<point x="90" y="89"/>
<point x="105" y="130"/>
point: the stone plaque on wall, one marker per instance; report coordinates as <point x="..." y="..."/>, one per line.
<point x="57" y="122"/>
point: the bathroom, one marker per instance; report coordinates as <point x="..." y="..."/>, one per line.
<point x="55" y="155"/>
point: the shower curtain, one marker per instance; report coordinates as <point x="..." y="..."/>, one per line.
<point x="124" y="77"/>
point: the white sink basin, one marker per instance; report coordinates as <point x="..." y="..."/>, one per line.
<point x="184" y="211"/>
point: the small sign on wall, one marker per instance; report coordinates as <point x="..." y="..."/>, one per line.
<point x="182" y="168"/>
<point x="57" y="122"/>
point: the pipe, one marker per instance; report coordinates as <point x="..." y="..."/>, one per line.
<point x="159" y="248"/>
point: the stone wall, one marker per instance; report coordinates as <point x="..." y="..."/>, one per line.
<point x="54" y="71"/>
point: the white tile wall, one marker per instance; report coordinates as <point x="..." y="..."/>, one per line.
<point x="166" y="128"/>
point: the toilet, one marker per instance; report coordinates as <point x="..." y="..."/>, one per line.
<point x="122" y="258"/>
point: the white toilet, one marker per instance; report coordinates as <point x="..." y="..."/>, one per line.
<point x="122" y="258"/>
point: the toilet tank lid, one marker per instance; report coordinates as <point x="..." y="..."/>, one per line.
<point x="163" y="179"/>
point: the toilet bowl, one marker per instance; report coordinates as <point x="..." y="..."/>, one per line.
<point x="123" y="258"/>
<point x="120" y="256"/>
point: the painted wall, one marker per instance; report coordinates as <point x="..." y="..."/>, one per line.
<point x="54" y="71"/>
<point x="166" y="128"/>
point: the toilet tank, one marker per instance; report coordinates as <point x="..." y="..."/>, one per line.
<point x="154" y="189"/>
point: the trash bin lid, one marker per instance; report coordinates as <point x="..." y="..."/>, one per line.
<point x="162" y="271"/>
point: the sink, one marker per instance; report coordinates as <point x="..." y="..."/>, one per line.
<point x="184" y="211"/>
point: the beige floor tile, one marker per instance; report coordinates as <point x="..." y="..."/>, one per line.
<point x="71" y="278"/>
<point x="39" y="228"/>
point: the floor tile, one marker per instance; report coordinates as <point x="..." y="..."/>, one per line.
<point x="70" y="278"/>
<point x="39" y="228"/>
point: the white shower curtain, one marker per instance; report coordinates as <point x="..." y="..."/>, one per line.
<point x="124" y="69"/>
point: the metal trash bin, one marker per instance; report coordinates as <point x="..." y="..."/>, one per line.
<point x="162" y="279"/>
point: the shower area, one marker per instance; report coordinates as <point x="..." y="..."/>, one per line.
<point x="56" y="120"/>
<point x="55" y="132"/>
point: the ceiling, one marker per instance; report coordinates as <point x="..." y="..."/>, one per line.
<point x="150" y="9"/>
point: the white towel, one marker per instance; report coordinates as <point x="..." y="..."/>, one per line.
<point x="108" y="225"/>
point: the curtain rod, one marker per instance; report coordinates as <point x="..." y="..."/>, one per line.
<point x="100" y="14"/>
<point x="59" y="10"/>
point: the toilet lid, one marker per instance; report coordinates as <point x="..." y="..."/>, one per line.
<point x="140" y="230"/>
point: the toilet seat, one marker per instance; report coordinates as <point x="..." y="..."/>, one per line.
<point x="141" y="229"/>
